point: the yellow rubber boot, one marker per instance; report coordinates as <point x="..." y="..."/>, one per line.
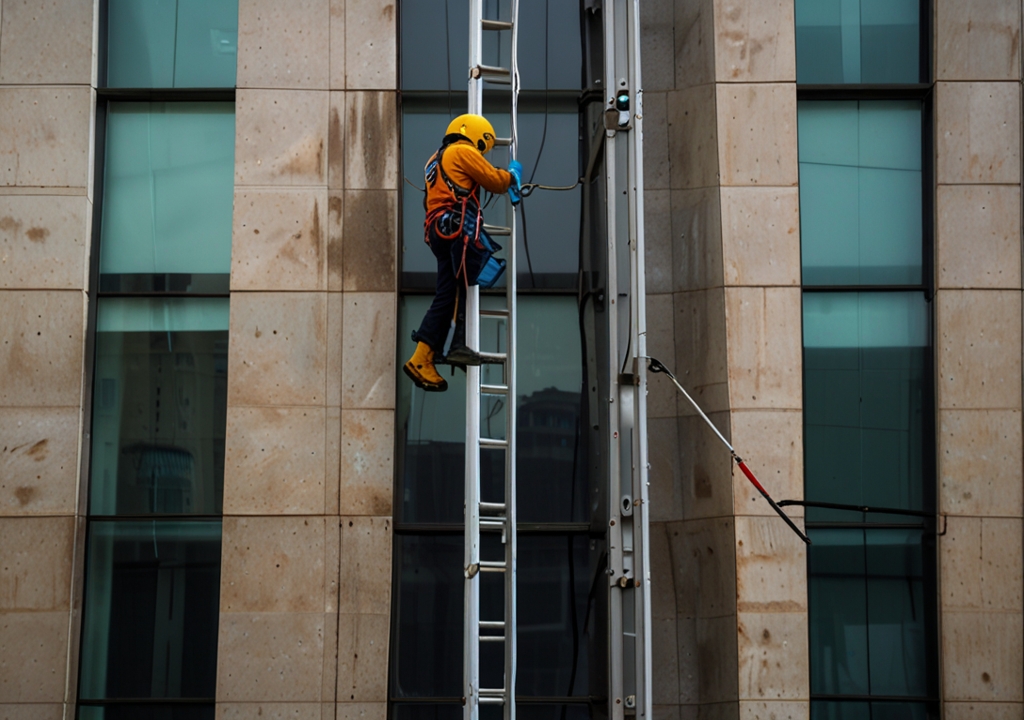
<point x="420" y="369"/>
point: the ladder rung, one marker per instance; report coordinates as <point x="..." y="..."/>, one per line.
<point x="494" y="389"/>
<point x="492" y="73"/>
<point x="497" y="525"/>
<point x="491" y="700"/>
<point x="502" y="142"/>
<point x="492" y="624"/>
<point x="492" y="566"/>
<point x="495" y="25"/>
<point x="492" y="508"/>
<point x="492" y="638"/>
<point x="489" y="357"/>
<point x="496" y="312"/>
<point x="493" y="442"/>
<point x="492" y="693"/>
<point x="498" y="230"/>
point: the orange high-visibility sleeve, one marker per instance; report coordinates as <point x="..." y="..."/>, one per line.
<point x="466" y="165"/>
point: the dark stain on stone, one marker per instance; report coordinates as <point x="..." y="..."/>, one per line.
<point x="370" y="130"/>
<point x="389" y="12"/>
<point x="9" y="223"/>
<point x="25" y="494"/>
<point x="335" y="149"/>
<point x="701" y="482"/>
<point x="369" y="254"/>
<point x="39" y="450"/>
<point x="335" y="208"/>
<point x="37" y="234"/>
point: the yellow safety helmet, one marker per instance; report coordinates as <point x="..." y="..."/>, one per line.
<point x="476" y="128"/>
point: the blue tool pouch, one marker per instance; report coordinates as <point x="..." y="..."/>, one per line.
<point x="494" y="267"/>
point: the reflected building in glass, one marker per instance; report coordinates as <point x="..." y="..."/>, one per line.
<point x="220" y="498"/>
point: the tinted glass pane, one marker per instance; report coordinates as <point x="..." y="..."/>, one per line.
<point x="549" y="152"/>
<point x="858" y="41"/>
<point x="172" y="43"/>
<point x="867" y="612"/>
<point x="425" y="43"/>
<point x="151" y="604"/>
<point x="555" y="574"/>
<point x="551" y="476"/>
<point x="159" y="406"/>
<point x="426" y="711"/>
<point x="168" y="188"/>
<point x="860" y="192"/>
<point x="146" y="712"/>
<point x="865" y="385"/>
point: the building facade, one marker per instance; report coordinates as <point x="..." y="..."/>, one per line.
<point x="219" y="496"/>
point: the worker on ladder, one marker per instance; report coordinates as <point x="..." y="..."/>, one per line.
<point x="454" y="231"/>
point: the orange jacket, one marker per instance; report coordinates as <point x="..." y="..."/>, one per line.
<point x="466" y="167"/>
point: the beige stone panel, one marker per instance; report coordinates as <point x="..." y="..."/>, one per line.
<point x="369" y="248"/>
<point x="371" y="33"/>
<point x="273" y="564"/>
<point x="755" y="41"/>
<point x="36" y="570"/>
<point x="335" y="341"/>
<point x="45" y="136"/>
<point x="282" y="45"/>
<point x="32" y="711"/>
<point x="33" y="663"/>
<point x="46" y="43"/>
<point x="692" y="138"/>
<point x="977" y="132"/>
<point x="706" y="484"/>
<point x="333" y="455"/>
<point x="666" y="478"/>
<point x="757" y="134"/>
<point x="665" y="661"/>
<point x="982" y="656"/>
<point x="773" y="656"/>
<point x="368" y="375"/>
<point x="689" y="659"/>
<point x="697" y="239"/>
<point x="657" y="35"/>
<point x="371" y="141"/>
<point x="279" y="239"/>
<point x="701" y="366"/>
<point x="274" y="461"/>
<point x="658" y="262"/>
<point x="980" y="462"/>
<point x="332" y="576"/>
<point x="663" y="588"/>
<point x="772" y="445"/>
<point x="335" y="237"/>
<point x="277" y="351"/>
<point x="761" y="236"/>
<point x="704" y="567"/>
<point x="41" y="348"/>
<point x="657" y="168"/>
<point x="718" y="659"/>
<point x="771" y="567"/>
<point x="694" y="42"/>
<point x="362" y="711"/>
<point x="661" y="344"/>
<point x="978" y="235"/>
<point x="276" y="657"/>
<point x="44" y="242"/>
<point x="765" y="347"/>
<point x="328" y="684"/>
<point x="977" y="40"/>
<point x="980" y="562"/>
<point x="337" y="49"/>
<point x="979" y="356"/>
<point x="775" y="710"/>
<point x="367" y="461"/>
<point x="365" y="576"/>
<point x="983" y="711"/>
<point x="268" y="711"/>
<point x="363" y="658"/>
<point x="38" y="460"/>
<point x="281" y="137"/>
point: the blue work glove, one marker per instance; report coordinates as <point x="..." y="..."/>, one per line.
<point x="515" y="190"/>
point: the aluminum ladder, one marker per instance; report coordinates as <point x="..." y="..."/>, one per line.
<point x="491" y="515"/>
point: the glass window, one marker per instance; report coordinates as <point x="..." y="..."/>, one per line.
<point x="151" y="608"/>
<point x="866" y="359"/>
<point x="148" y="711"/>
<point x="172" y="43"/>
<point x="858" y="41"/>
<point x="860" y="192"/>
<point x="551" y="477"/>
<point x="159" y="406"/>
<point x="168" y="191"/>
<point x="867" y="612"/>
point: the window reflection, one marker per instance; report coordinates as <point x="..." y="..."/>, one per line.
<point x="150" y="625"/>
<point x="159" y="406"/>
<point x="127" y="711"/>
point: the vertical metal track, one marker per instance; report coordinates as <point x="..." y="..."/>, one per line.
<point x="490" y="514"/>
